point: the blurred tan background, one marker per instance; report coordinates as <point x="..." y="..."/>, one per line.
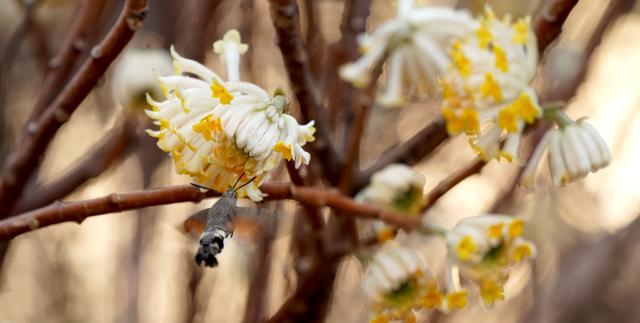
<point x="138" y="266"/>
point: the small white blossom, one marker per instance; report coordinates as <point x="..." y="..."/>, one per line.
<point x="415" y="44"/>
<point x="484" y="247"/>
<point x="397" y="282"/>
<point x="574" y="150"/>
<point x="133" y="76"/>
<point x="396" y="187"/>
<point x="218" y="131"/>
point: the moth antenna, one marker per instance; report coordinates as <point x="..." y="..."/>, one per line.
<point x="202" y="187"/>
<point x="237" y="181"/>
<point x="245" y="184"/>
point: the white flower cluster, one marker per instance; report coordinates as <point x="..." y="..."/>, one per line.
<point x="218" y="131"/>
<point x="482" y="67"/>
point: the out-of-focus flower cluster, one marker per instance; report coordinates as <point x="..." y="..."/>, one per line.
<point x="398" y="282"/>
<point x="217" y="130"/>
<point x="482" y="68"/>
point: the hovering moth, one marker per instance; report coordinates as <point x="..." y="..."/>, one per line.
<point x="215" y="224"/>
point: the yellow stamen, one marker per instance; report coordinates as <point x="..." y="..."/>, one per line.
<point x="220" y="92"/>
<point x="522" y="252"/>
<point x="284" y="149"/>
<point x="380" y="318"/>
<point x="461" y="62"/>
<point x="525" y="108"/>
<point x="448" y="91"/>
<point x="176" y="68"/>
<point x="501" y="58"/>
<point x="183" y="103"/>
<point x="495" y="231"/>
<point x="386" y="234"/>
<point x="453" y="122"/>
<point x="507" y="119"/>
<point x="516" y="228"/>
<point x="491" y="88"/>
<point x="466" y="247"/>
<point x="457" y="300"/>
<point x="410" y="318"/>
<point x="491" y="291"/>
<point x="470" y="121"/>
<point x="433" y="297"/>
<point x="484" y="36"/>
<point x="207" y="127"/>
<point x="521" y="31"/>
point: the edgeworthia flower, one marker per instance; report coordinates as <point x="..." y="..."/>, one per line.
<point x="487" y="93"/>
<point x="396" y="187"/>
<point x="218" y="131"/>
<point x="484" y="247"/>
<point x="396" y="283"/>
<point x="414" y="47"/>
<point x="574" y="150"/>
<point x="133" y="76"/>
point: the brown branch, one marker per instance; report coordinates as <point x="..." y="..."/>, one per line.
<point x="79" y="210"/>
<point x="286" y="21"/>
<point x="107" y="152"/>
<point x="21" y="163"/>
<point x="548" y="23"/>
<point x="60" y="67"/>
<point x="192" y="28"/>
<point x="452" y="180"/>
<point x="409" y="152"/>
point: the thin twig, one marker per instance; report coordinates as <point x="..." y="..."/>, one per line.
<point x="409" y="152"/>
<point x="548" y="23"/>
<point x="22" y="162"/>
<point x="108" y="151"/>
<point x="452" y="180"/>
<point x="79" y="210"/>
<point x="61" y="66"/>
<point x="286" y="21"/>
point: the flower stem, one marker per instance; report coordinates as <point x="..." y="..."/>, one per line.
<point x="557" y="115"/>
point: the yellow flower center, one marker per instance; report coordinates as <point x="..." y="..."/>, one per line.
<point x="220" y="92"/>
<point x="491" y="88"/>
<point x="433" y="297"/>
<point x="526" y="109"/>
<point x="522" y="252"/>
<point x="466" y="121"/>
<point x="457" y="300"/>
<point x="284" y="149"/>
<point x="495" y="231"/>
<point x="385" y="234"/>
<point x="461" y="62"/>
<point x="516" y="228"/>
<point x="207" y="127"/>
<point x="521" y="31"/>
<point x="466" y="247"/>
<point x="507" y="119"/>
<point x="501" y="58"/>
<point x="491" y="291"/>
<point x="484" y="35"/>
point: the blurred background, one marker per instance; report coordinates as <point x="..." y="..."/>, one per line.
<point x="138" y="266"/>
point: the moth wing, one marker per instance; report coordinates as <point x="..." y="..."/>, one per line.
<point x="196" y="222"/>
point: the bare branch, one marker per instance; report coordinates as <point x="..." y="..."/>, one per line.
<point x="108" y="151"/>
<point x="79" y="210"/>
<point x="61" y="65"/>
<point x="286" y="21"/>
<point x="452" y="180"/>
<point x="548" y="23"/>
<point x="21" y="163"/>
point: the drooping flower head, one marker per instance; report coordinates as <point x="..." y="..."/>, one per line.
<point x="484" y="247"/>
<point x="414" y="44"/>
<point x="218" y="131"/>
<point x="574" y="150"/>
<point x="397" y="282"/>
<point x="133" y="76"/>
<point x="487" y="93"/>
<point x="396" y="187"/>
